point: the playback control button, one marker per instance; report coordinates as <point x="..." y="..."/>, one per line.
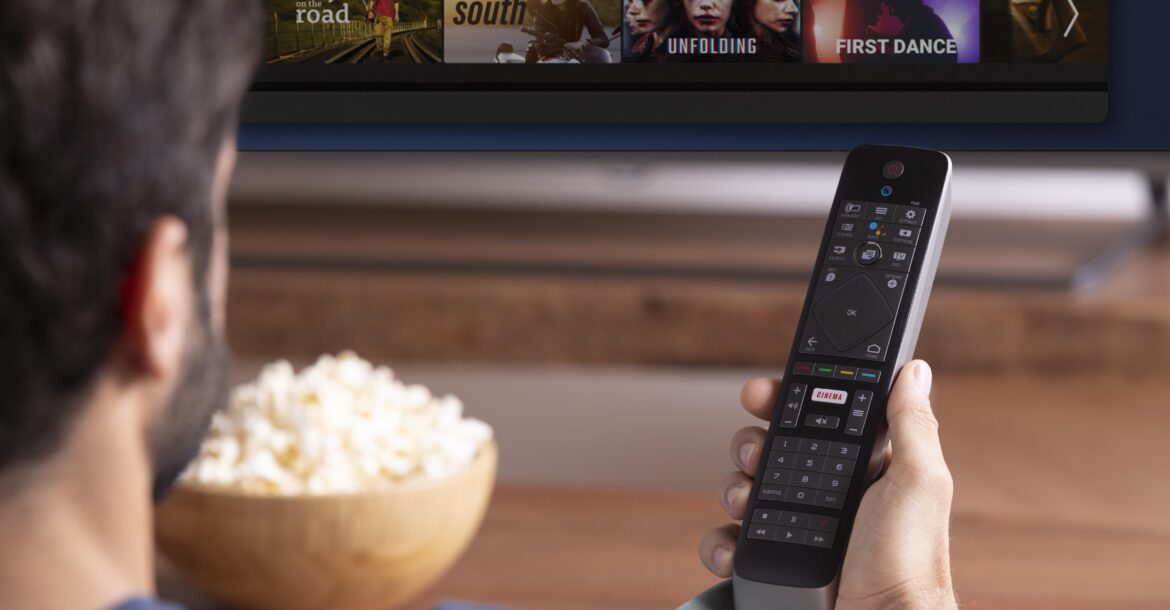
<point x="793" y="527"/>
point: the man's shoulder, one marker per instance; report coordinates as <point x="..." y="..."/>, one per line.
<point x="145" y="603"/>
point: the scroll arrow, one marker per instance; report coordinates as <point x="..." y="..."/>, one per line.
<point x="1076" y="15"/>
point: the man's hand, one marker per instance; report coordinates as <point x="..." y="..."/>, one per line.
<point x="899" y="552"/>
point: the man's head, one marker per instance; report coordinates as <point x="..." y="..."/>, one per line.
<point x="117" y="123"/>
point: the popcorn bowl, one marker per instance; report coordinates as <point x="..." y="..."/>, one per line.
<point x="357" y="551"/>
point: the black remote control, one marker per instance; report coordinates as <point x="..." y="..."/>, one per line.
<point x="859" y="327"/>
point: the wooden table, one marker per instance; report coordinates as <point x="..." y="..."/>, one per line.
<point x="1061" y="503"/>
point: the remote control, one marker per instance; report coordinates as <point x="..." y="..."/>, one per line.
<point x="858" y="328"/>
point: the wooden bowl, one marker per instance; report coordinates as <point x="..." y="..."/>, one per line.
<point x="367" y="551"/>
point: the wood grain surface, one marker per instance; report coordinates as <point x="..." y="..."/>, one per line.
<point x="656" y="289"/>
<point x="1060" y="503"/>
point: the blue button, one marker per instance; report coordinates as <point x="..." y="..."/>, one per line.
<point x="873" y="226"/>
<point x="887" y="191"/>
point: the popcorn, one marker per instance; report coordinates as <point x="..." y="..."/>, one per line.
<point x="339" y="426"/>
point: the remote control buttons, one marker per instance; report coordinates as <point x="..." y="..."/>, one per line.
<point x="896" y="258"/>
<point x="793" y="527"/>
<point x="858" y="412"/>
<point x="881" y="212"/>
<point x="852" y="313"/>
<point x="839" y="252"/>
<point x="851" y="209"/>
<point x="814" y="341"/>
<point x="910" y="215"/>
<point x="790" y="417"/>
<point x="903" y="235"/>
<point x="766" y="515"/>
<point x="875" y="348"/>
<point x="868" y="254"/>
<point x="847" y="229"/>
<point x="892" y="285"/>
<point x="828" y="422"/>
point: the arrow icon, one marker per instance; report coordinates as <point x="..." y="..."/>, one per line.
<point x="1076" y="15"/>
<point x="812" y="341"/>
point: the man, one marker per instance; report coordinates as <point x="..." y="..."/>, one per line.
<point x="117" y="139"/>
<point x="563" y="22"/>
<point x="385" y="15"/>
<point x="117" y="131"/>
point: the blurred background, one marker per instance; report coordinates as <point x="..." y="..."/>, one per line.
<point x="602" y="311"/>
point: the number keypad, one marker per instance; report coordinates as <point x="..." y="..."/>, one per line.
<point x="809" y="471"/>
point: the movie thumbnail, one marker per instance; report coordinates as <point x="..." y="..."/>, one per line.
<point x="892" y="31"/>
<point x="659" y="31"/>
<point x="1046" y="31"/>
<point x="354" y="31"/>
<point x="532" y="31"/>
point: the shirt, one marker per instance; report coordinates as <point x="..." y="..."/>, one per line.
<point x="385" y="8"/>
<point x="143" y="603"/>
<point x="715" y="598"/>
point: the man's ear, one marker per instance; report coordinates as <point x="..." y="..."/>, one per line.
<point x="157" y="300"/>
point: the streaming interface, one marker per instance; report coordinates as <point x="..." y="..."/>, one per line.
<point x="689" y="45"/>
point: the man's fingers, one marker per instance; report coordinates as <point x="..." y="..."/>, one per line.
<point x="717" y="549"/>
<point x="734" y="492"/>
<point x="746" y="445"/>
<point x="913" y="427"/>
<point x="759" y="397"/>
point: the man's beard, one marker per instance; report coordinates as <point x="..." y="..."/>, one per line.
<point x="176" y="437"/>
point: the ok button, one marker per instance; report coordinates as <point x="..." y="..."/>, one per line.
<point x="852" y="313"/>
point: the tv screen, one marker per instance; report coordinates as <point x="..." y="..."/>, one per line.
<point x="684" y="61"/>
